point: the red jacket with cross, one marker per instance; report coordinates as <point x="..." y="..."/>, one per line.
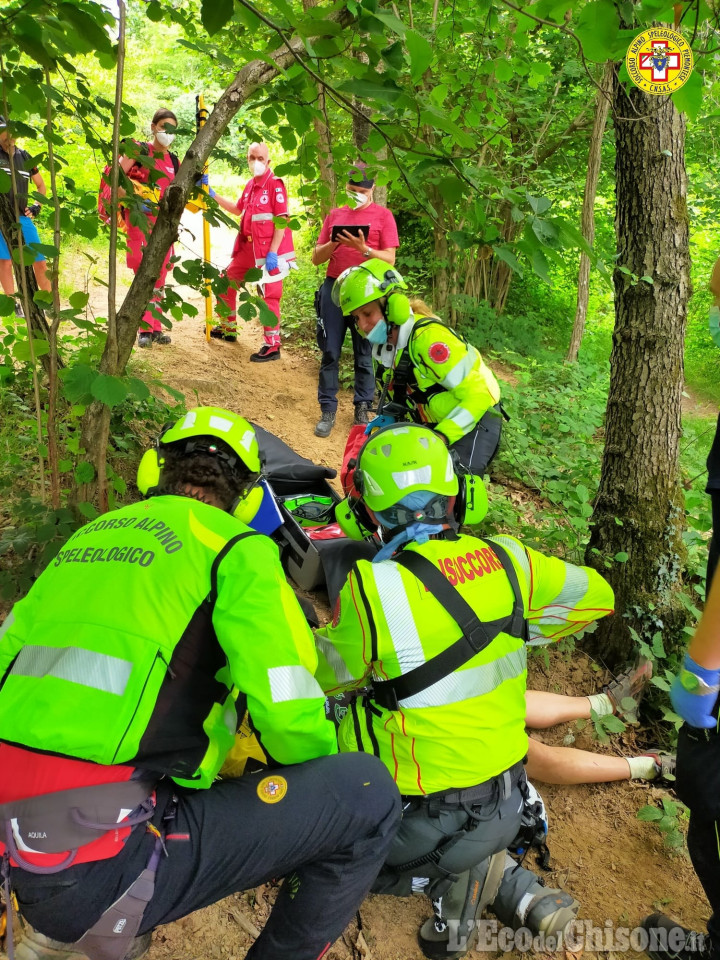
<point x="262" y="199"/>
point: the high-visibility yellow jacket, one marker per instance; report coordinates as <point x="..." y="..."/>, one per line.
<point x="469" y="726"/>
<point x="452" y="387"/>
<point x="147" y="637"/>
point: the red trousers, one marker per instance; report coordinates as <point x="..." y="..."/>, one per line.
<point x="241" y="262"/>
<point x="136" y="243"/>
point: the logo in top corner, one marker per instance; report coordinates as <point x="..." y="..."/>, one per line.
<point x="659" y="61"/>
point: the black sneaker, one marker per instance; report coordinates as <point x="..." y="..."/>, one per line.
<point x="325" y="424"/>
<point x="264" y="354"/>
<point x="145" y="340"/>
<point x="361" y="413"/>
<point x="159" y="337"/>
<point x="670" y="941"/>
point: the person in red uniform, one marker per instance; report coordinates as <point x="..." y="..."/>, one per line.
<point x="378" y="239"/>
<point x="166" y="165"/>
<point x="260" y="243"/>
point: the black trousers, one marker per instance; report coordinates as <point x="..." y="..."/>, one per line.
<point x="476" y="449"/>
<point x="328" y="836"/>
<point x="330" y="339"/>
<point x="714" y="552"/>
<point x="704" y="849"/>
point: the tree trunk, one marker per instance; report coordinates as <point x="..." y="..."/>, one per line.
<point x="640" y="484"/>
<point x="602" y="105"/>
<point x="115" y="356"/>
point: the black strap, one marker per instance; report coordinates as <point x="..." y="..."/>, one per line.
<point x="476" y="634"/>
<point x="212" y="596"/>
<point x="400" y="376"/>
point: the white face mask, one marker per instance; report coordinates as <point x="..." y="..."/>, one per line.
<point x="358" y="200"/>
<point x="257" y="168"/>
<point x="163" y="138"/>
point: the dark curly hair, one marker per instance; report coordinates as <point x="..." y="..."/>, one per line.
<point x="203" y="469"/>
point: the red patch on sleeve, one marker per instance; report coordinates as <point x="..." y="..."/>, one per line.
<point x="439" y="352"/>
<point x="336" y="613"/>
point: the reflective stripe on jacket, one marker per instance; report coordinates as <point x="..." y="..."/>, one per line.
<point x="119" y="655"/>
<point x="468" y="387"/>
<point x="469" y="726"/>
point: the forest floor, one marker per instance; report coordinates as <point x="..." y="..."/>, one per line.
<point x="614" y="864"/>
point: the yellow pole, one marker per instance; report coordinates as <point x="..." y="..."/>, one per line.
<point x="201" y="118"/>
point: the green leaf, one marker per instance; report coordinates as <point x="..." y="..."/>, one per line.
<point x="420" y="54"/>
<point x="538" y="204"/>
<point x="597" y="29"/>
<point x="503" y="70"/>
<point x="214" y="14"/>
<point x="621" y="557"/>
<point x="7" y="305"/>
<point x="371" y="90"/>
<point x="84" y="472"/>
<point x="79" y="300"/>
<point x="138" y="388"/>
<point x="688" y="99"/>
<point x="391" y="21"/>
<point x="109" y="390"/>
<point x="660" y="683"/>
<point x="77" y="383"/>
<point x="613" y="724"/>
<point x="88" y="509"/>
<point x="508" y="257"/>
<point x="649" y="813"/>
<point x="21" y="349"/>
<point x="657" y="647"/>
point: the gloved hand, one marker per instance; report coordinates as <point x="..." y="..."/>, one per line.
<point x="204" y="181"/>
<point x="693" y="693"/>
<point x="271" y="261"/>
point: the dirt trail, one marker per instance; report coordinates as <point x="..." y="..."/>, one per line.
<point x="614" y="864"/>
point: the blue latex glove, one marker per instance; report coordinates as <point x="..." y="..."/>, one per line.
<point x="690" y="696"/>
<point x="377" y="423"/>
<point x="271" y="261"/>
<point x="204" y="180"/>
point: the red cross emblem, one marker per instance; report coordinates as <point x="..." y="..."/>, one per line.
<point x="658" y="61"/>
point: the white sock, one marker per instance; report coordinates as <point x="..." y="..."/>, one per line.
<point x="601" y="704"/>
<point x="642" y="768"/>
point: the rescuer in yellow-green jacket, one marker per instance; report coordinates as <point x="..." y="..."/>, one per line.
<point x="124" y="674"/>
<point x="436" y="626"/>
<point x="427" y="371"/>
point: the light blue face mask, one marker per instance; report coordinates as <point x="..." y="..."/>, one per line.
<point x="379" y="333"/>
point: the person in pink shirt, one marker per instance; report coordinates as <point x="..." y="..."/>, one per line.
<point x="377" y="237"/>
<point x="166" y="164"/>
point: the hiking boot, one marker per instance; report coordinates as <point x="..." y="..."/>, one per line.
<point x="669" y="941"/>
<point x="361" y="413"/>
<point x="145" y="340"/>
<point x="631" y="684"/>
<point x="36" y="946"/>
<point x="452" y="931"/>
<point x="523" y="901"/>
<point x="159" y="337"/>
<point x="665" y="764"/>
<point x="324" y="426"/>
<point x="264" y="354"/>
